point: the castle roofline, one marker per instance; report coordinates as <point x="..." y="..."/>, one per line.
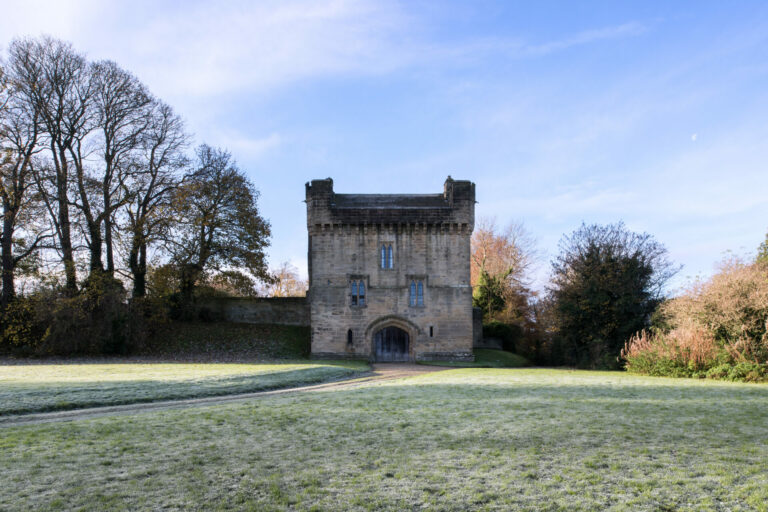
<point x="389" y="201"/>
<point x="454" y="206"/>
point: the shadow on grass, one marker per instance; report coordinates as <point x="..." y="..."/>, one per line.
<point x="58" y="396"/>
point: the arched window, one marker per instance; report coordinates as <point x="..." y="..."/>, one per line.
<point x="416" y="293"/>
<point x="390" y="257"/>
<point x="383" y="256"/>
<point x="357" y="292"/>
<point x="353" y="292"/>
<point x="349" y="338"/>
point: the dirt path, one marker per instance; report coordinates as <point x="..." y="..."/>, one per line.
<point x="379" y="372"/>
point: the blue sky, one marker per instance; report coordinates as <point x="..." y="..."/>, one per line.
<point x="654" y="113"/>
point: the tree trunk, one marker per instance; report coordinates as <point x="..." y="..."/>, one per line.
<point x="9" y="290"/>
<point x="67" y="254"/>
<point x="95" y="232"/>
<point x="108" y="244"/>
<point x="107" y="198"/>
<point x="137" y="262"/>
<point x="188" y="275"/>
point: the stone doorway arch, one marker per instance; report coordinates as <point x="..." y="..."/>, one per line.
<point x="392" y="345"/>
<point x="392" y="339"/>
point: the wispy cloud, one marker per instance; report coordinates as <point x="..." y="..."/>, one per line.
<point x="220" y="48"/>
<point x="251" y="148"/>
<point x="208" y="49"/>
<point x="586" y="37"/>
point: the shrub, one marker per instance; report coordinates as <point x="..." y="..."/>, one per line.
<point x="20" y="332"/>
<point x="717" y="328"/>
<point x="98" y="320"/>
<point x="92" y="322"/>
<point x="688" y="345"/>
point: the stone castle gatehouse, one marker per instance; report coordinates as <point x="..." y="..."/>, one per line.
<point x="389" y="273"/>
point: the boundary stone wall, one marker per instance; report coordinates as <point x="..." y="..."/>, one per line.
<point x="258" y="310"/>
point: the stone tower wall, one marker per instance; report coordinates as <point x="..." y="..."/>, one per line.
<point x="430" y="237"/>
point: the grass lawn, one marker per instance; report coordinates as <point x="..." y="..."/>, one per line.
<point x="47" y="387"/>
<point x="486" y="358"/>
<point x="479" y="439"/>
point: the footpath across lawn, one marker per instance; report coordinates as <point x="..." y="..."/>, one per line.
<point x="47" y="387"/>
<point x="464" y="439"/>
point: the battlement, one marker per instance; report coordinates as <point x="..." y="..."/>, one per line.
<point x="455" y="205"/>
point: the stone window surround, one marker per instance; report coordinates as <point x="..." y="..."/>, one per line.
<point x="387" y="254"/>
<point x="365" y="282"/>
<point x="417" y="278"/>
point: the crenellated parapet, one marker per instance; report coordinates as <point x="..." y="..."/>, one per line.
<point x="453" y="209"/>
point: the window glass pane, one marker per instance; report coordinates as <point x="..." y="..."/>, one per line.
<point x="383" y="257"/>
<point x="362" y="293"/>
<point x="412" y="296"/>
<point x="421" y="293"/>
<point x="390" y="257"/>
<point x="353" y="292"/>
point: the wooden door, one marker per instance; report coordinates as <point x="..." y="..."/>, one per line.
<point x="391" y="345"/>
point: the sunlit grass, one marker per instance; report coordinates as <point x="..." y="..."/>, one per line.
<point x="42" y="387"/>
<point x="486" y="358"/>
<point x="468" y="439"/>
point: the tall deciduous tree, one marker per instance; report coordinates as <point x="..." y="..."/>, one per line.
<point x="217" y="222"/>
<point x="22" y="229"/>
<point x="606" y="282"/>
<point x="501" y="260"/>
<point x="149" y="212"/>
<point x="123" y="114"/>
<point x="54" y="81"/>
<point x="286" y="282"/>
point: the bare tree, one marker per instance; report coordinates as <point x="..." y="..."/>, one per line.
<point x="509" y="251"/>
<point x="152" y="185"/>
<point x="54" y="81"/>
<point x="123" y="114"/>
<point x="22" y="231"/>
<point x="501" y="261"/>
<point x="287" y="282"/>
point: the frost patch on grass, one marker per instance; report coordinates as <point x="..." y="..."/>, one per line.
<point x="468" y="439"/>
<point x="42" y="387"/>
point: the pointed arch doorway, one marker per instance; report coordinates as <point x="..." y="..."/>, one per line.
<point x="391" y="344"/>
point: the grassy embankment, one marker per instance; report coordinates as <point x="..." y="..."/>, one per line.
<point x="465" y="439"/>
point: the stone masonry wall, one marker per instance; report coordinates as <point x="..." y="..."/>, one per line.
<point x="277" y="310"/>
<point x="430" y="243"/>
